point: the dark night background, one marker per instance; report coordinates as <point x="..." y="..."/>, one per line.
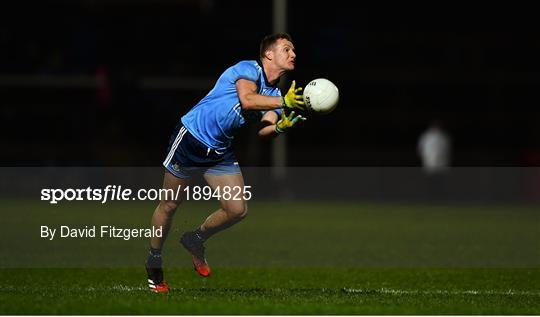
<point x="102" y="83"/>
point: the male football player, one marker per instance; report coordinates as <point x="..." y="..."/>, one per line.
<point x="202" y="140"/>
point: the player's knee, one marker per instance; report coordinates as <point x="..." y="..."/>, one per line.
<point x="237" y="211"/>
<point x="168" y="207"/>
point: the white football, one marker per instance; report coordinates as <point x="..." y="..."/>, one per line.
<point x="321" y="96"/>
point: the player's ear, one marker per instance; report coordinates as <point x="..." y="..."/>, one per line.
<point x="269" y="54"/>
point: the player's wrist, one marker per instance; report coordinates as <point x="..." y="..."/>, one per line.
<point x="283" y="103"/>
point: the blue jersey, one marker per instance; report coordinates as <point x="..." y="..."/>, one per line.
<point x="217" y="117"/>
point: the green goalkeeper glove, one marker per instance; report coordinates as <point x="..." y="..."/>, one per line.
<point x="293" y="98"/>
<point x="287" y="122"/>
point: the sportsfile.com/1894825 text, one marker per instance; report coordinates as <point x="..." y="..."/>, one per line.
<point x="119" y="193"/>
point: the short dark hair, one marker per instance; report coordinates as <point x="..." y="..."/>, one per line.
<point x="270" y="40"/>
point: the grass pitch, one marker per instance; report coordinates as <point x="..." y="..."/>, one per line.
<point x="273" y="291"/>
<point x="294" y="258"/>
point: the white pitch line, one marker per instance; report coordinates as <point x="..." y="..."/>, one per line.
<point x="391" y="291"/>
<point x="125" y="288"/>
<point x="128" y="288"/>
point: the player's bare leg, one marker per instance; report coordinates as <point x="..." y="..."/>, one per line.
<point x="162" y="218"/>
<point x="233" y="209"/>
<point x="165" y="210"/>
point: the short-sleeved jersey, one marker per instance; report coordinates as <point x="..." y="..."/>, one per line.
<point x="217" y="117"/>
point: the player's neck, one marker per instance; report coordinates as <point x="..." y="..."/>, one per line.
<point x="272" y="73"/>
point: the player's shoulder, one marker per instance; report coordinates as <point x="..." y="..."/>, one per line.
<point x="250" y="65"/>
<point x="246" y="69"/>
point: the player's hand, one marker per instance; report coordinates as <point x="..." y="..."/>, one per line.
<point x="287" y="122"/>
<point x="293" y="98"/>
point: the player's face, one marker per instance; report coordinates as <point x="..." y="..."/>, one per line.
<point x="284" y="55"/>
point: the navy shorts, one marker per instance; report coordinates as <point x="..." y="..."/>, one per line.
<point x="187" y="156"/>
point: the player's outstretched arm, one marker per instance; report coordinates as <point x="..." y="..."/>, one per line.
<point x="251" y="100"/>
<point x="268" y="122"/>
<point x="273" y="127"/>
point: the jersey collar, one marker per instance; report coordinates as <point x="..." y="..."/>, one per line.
<point x="264" y="75"/>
